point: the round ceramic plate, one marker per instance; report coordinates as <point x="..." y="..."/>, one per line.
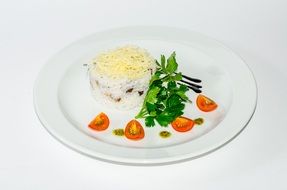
<point x="64" y="104"/>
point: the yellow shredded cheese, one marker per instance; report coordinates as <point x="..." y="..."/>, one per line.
<point x="128" y="61"/>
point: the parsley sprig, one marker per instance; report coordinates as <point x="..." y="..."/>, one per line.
<point x="165" y="99"/>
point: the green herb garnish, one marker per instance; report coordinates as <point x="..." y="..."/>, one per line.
<point x="119" y="132"/>
<point x="165" y="99"/>
<point x="199" y="121"/>
<point x="164" y="134"/>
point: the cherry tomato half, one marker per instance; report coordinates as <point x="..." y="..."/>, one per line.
<point x="205" y="104"/>
<point x="134" y="130"/>
<point x="100" y="123"/>
<point x="182" y="124"/>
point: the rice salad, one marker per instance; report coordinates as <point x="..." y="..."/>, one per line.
<point x="119" y="78"/>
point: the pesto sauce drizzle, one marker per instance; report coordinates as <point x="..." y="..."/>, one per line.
<point x="165" y="134"/>
<point x="119" y="132"/>
<point x="199" y="121"/>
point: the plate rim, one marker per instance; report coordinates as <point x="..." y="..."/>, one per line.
<point x="128" y="161"/>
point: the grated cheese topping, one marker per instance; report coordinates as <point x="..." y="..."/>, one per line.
<point x="125" y="62"/>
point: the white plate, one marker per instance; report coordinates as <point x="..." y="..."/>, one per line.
<point x="65" y="106"/>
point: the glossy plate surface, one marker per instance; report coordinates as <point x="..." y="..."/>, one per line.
<point x="64" y="104"/>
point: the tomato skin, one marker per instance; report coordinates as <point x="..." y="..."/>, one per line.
<point x="134" y="130"/>
<point x="182" y="124"/>
<point x="205" y="104"/>
<point x="100" y="123"/>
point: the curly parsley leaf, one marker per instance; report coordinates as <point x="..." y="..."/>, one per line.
<point x="162" y="61"/>
<point x="182" y="95"/>
<point x="172" y="65"/>
<point x="149" y="121"/>
<point x="173" y="100"/>
<point x="151" y="96"/>
<point x="150" y="107"/>
<point x="157" y="63"/>
<point x="165" y="99"/>
<point x="177" y="77"/>
<point x="164" y="119"/>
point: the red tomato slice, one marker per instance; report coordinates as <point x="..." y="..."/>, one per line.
<point x="205" y="104"/>
<point x="100" y="123"/>
<point x="134" y="130"/>
<point x="182" y="124"/>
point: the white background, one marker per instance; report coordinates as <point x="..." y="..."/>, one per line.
<point x="32" y="31"/>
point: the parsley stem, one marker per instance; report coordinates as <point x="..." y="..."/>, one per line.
<point x="142" y="113"/>
<point x="165" y="98"/>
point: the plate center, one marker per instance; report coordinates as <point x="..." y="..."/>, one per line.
<point x="79" y="107"/>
